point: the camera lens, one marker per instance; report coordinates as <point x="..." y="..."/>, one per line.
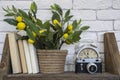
<point x="92" y="68"/>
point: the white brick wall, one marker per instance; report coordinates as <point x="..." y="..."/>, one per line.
<point x="108" y="14"/>
<point x="0" y="57"/>
<point x="99" y="25"/>
<point x="117" y="25"/>
<point x="116" y="4"/>
<point x="101" y="15"/>
<point x="84" y="14"/>
<point x="45" y="4"/>
<point x="1" y="48"/>
<point x="92" y="4"/>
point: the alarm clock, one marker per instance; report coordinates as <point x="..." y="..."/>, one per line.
<point x="88" y="51"/>
<point x="88" y="60"/>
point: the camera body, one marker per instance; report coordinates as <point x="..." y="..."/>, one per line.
<point x="88" y="66"/>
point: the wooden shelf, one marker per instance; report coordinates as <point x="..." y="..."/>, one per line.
<point x="63" y="76"/>
<point x="5" y="71"/>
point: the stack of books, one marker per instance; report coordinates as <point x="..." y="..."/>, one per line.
<point x="23" y="55"/>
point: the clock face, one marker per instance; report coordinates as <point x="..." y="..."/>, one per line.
<point x="88" y="53"/>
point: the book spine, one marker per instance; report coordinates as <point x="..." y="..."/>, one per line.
<point x="14" y="53"/>
<point x="22" y="56"/>
<point x="27" y="55"/>
<point x="34" y="60"/>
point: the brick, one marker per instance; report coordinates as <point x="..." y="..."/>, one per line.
<point x="84" y="14"/>
<point x="69" y="68"/>
<point x="118" y="43"/>
<point x="2" y="15"/>
<point x="101" y="35"/>
<point x="99" y="25"/>
<point x="17" y="4"/>
<point x="6" y="27"/>
<point x="2" y="37"/>
<point x="108" y="14"/>
<point x="117" y="25"/>
<point x="117" y="35"/>
<point x="0" y="57"/>
<point x="88" y="37"/>
<point x="70" y="48"/>
<point x="44" y="14"/>
<point x="116" y="4"/>
<point x="1" y="47"/>
<point x="45" y="4"/>
<point x="92" y="4"/>
<point x="101" y="47"/>
<point x="70" y="59"/>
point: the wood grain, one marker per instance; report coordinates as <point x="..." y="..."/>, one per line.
<point x="111" y="51"/>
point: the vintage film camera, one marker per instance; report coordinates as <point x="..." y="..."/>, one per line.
<point x="88" y="60"/>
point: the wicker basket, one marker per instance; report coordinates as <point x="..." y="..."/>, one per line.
<point x="51" y="61"/>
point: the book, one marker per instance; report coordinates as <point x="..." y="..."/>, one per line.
<point x="14" y="53"/>
<point x="22" y="56"/>
<point x="27" y="56"/>
<point x="33" y="56"/>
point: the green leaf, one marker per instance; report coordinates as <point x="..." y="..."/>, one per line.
<point x="53" y="27"/>
<point x="50" y="36"/>
<point x="58" y="8"/>
<point x="76" y="36"/>
<point x="8" y="8"/>
<point x="10" y="14"/>
<point x="39" y="22"/>
<point x="46" y="25"/>
<point x="53" y="7"/>
<point x="84" y="28"/>
<point x="75" y="24"/>
<point x="11" y="21"/>
<point x="5" y="10"/>
<point x="68" y="18"/>
<point x="67" y="13"/>
<point x="79" y="22"/>
<point x="56" y="16"/>
<point x="29" y="33"/>
<point x="14" y="9"/>
<point x="23" y="13"/>
<point x="33" y="7"/>
<point x="32" y="25"/>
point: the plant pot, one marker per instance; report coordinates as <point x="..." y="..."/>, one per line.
<point x="51" y="61"/>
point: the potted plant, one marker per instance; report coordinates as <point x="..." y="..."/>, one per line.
<point x="49" y="35"/>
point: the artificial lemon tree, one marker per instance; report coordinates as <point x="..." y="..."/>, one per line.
<point x="50" y="34"/>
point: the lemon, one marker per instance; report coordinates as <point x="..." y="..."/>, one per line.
<point x="41" y="31"/>
<point x="19" y="19"/>
<point x="21" y="26"/>
<point x="70" y="27"/>
<point x="65" y="36"/>
<point x="34" y="34"/>
<point x="55" y="22"/>
<point x="31" y="41"/>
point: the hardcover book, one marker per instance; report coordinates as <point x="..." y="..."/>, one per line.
<point x="27" y="56"/>
<point x="22" y="56"/>
<point x="34" y="60"/>
<point x="14" y="53"/>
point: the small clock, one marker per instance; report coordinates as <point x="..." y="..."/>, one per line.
<point x="88" y="52"/>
